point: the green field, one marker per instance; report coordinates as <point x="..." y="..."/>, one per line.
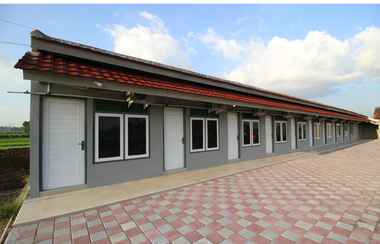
<point x="9" y="143"/>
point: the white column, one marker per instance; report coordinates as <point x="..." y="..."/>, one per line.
<point x="310" y="122"/>
<point x="333" y="132"/>
<point x="293" y="133"/>
<point x="268" y="134"/>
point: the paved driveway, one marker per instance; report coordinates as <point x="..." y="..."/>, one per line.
<point x="327" y="198"/>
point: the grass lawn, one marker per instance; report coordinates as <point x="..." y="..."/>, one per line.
<point x="10" y="203"/>
<point x="9" y="143"/>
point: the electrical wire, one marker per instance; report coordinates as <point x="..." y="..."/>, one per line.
<point x="16" y="24"/>
<point x="14" y="43"/>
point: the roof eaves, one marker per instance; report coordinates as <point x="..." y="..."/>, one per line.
<point x="40" y="35"/>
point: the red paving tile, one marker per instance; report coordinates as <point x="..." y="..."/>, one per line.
<point x="328" y="197"/>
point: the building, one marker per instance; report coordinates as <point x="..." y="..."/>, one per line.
<point x="98" y="118"/>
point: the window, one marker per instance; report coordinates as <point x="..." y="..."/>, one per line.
<point x="246" y="133"/>
<point x="346" y="129"/>
<point x="338" y="132"/>
<point x="317" y="130"/>
<point x="280" y="131"/>
<point x="136" y="136"/>
<point x="301" y="128"/>
<point x="108" y="137"/>
<point x="328" y="130"/>
<point x="251" y="132"/>
<point x="212" y="134"/>
<point x="197" y="135"/>
<point x="204" y="134"/>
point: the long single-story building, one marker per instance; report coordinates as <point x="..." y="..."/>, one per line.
<point x="98" y="117"/>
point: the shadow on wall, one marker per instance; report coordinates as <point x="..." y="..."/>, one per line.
<point x="368" y="131"/>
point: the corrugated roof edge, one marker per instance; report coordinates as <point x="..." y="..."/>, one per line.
<point x="39" y="34"/>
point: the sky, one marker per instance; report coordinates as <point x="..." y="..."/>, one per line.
<point x="325" y="53"/>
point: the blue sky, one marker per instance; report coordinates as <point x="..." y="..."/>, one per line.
<point x="327" y="53"/>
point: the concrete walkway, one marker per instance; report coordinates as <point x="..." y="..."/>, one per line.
<point x="75" y="201"/>
<point x="309" y="198"/>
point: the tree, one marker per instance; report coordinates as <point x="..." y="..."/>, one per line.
<point x="26" y="126"/>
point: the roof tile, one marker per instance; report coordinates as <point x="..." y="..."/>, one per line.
<point x="47" y="62"/>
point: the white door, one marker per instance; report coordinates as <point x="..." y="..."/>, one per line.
<point x="233" y="145"/>
<point x="63" y="159"/>
<point x="174" y="148"/>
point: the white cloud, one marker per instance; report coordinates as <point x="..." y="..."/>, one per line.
<point x="309" y="67"/>
<point x="14" y="106"/>
<point x="229" y="48"/>
<point x="152" y="42"/>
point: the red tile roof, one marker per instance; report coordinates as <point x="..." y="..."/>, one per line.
<point x="48" y="62"/>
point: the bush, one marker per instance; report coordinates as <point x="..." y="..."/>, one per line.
<point x="13" y="135"/>
<point x="10" y="207"/>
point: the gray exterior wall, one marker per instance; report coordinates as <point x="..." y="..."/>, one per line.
<point x="346" y="138"/>
<point x="204" y="159"/>
<point x="319" y="142"/>
<point x="35" y="132"/>
<point x="368" y="131"/>
<point x="355" y="132"/>
<point x="118" y="171"/>
<point x="303" y="144"/>
<point x="255" y="151"/>
<point x="281" y="147"/>
<point x="339" y="139"/>
<point x="124" y="170"/>
<point x="329" y="141"/>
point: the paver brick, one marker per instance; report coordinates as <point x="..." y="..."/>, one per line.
<point x="331" y="198"/>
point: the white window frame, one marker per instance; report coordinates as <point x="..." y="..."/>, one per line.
<point x="346" y="133"/>
<point x="242" y="132"/>
<point x="303" y="131"/>
<point x="317" y="128"/>
<point x="127" y="116"/>
<point x="206" y="134"/>
<point x="281" y="131"/>
<point x="250" y="123"/>
<point x="120" y="116"/>
<point x="191" y="134"/>
<point x="328" y="130"/>
<point x="338" y="131"/>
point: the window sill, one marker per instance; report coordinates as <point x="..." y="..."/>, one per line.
<point x="121" y="159"/>
<point x="103" y="160"/>
<point x="280" y="142"/>
<point x="205" y="150"/>
<point x="251" y="145"/>
<point x="212" y="149"/>
<point x="137" y="157"/>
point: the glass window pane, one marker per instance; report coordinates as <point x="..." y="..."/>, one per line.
<point x="303" y="131"/>
<point x="299" y="131"/>
<point x="255" y="132"/>
<point x="212" y="134"/>
<point x="278" y="132"/>
<point x="197" y="134"/>
<point x="246" y="133"/>
<point x="137" y="136"/>
<point x="284" y="131"/>
<point x="109" y="137"/>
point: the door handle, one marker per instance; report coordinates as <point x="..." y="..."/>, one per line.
<point x="82" y="145"/>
